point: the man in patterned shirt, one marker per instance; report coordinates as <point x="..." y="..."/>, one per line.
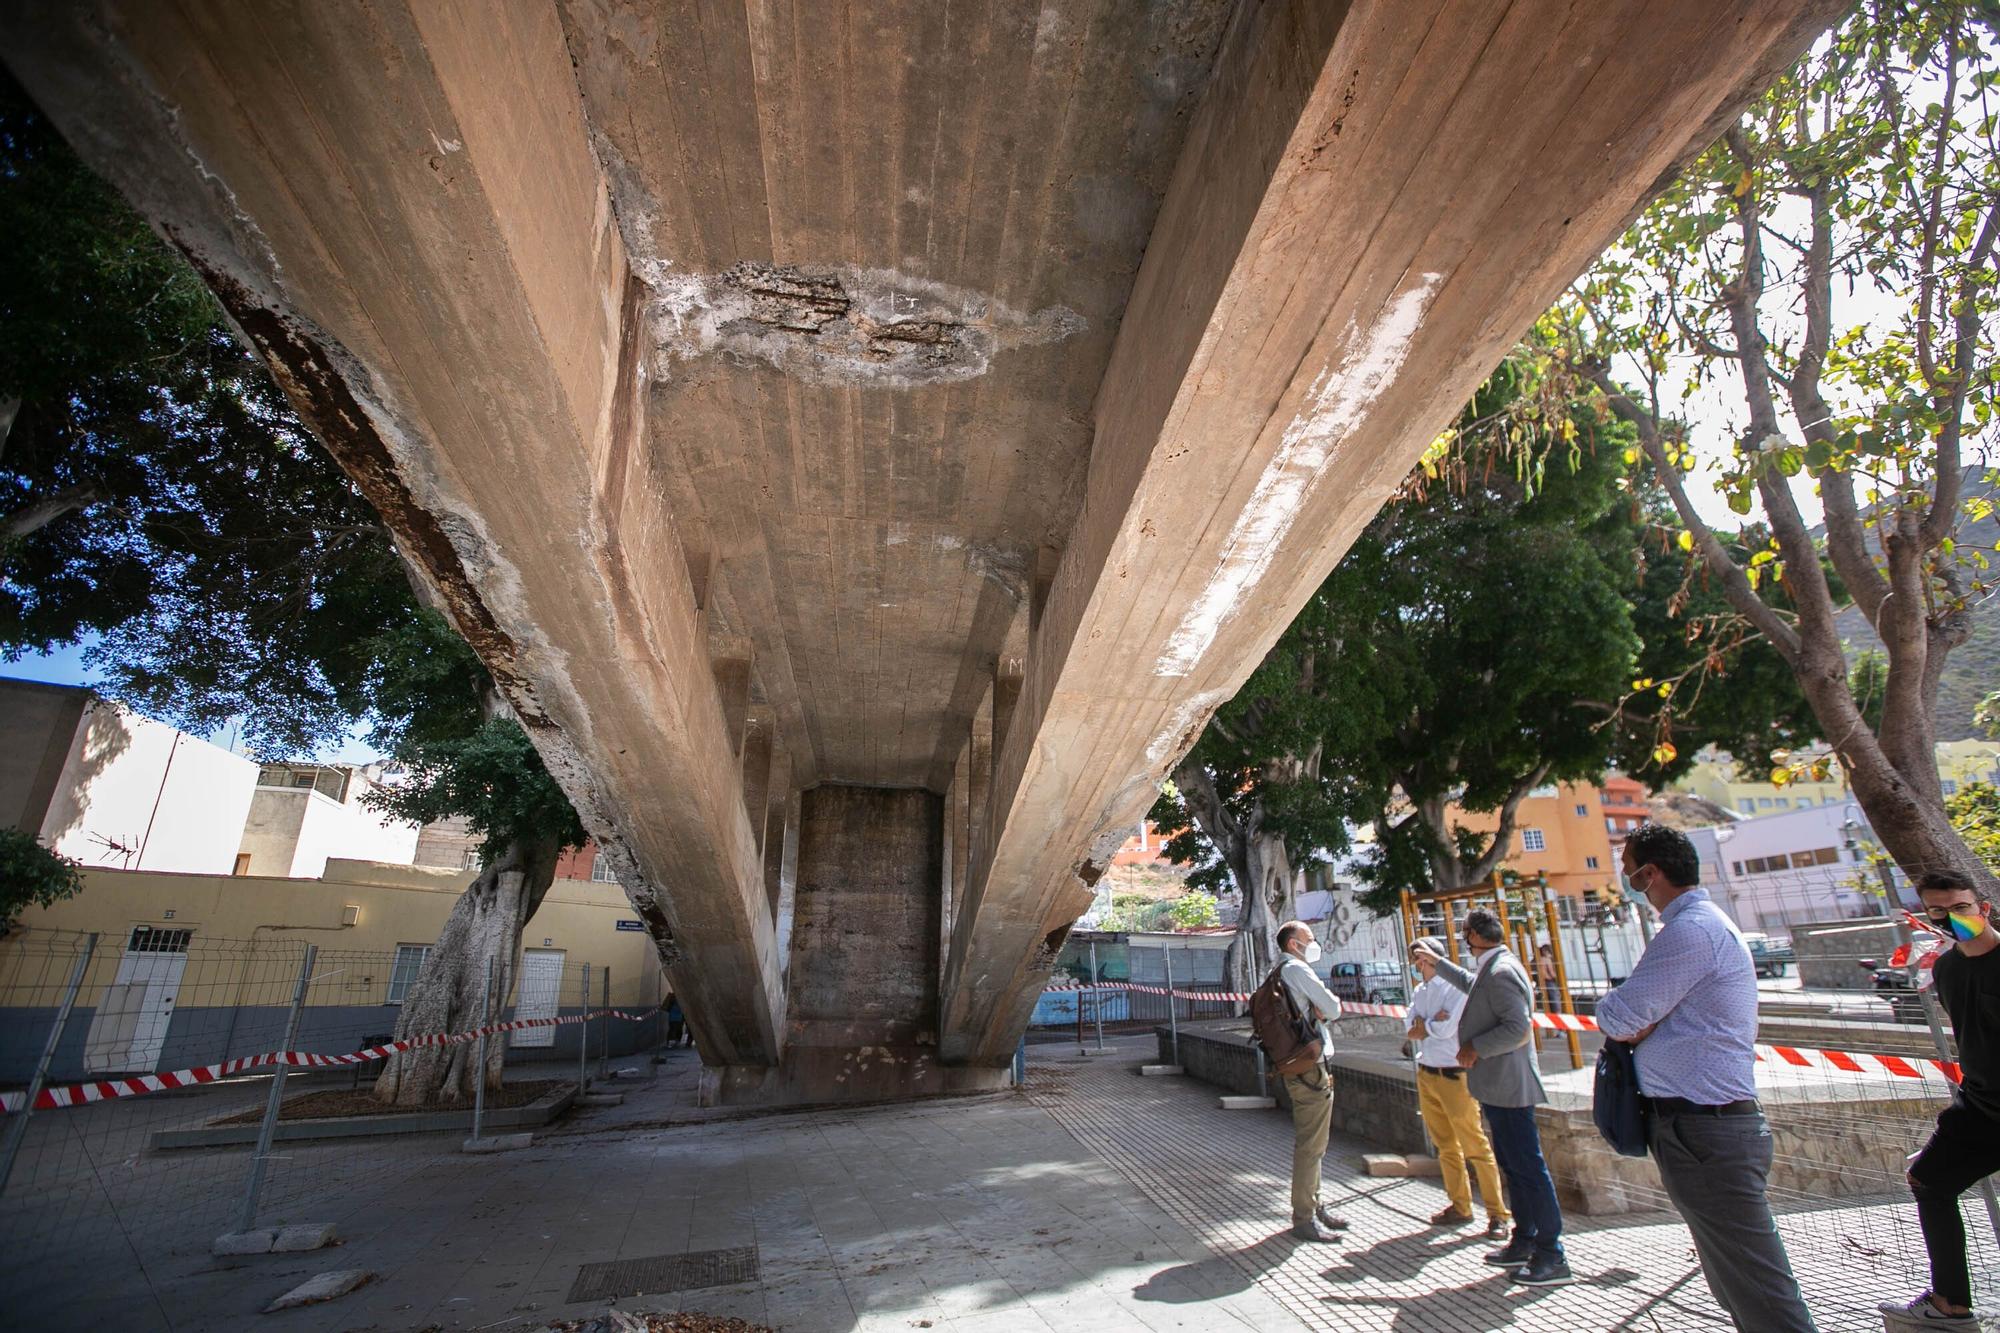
<point x="1691" y="1005"/>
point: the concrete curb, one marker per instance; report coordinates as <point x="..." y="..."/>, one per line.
<point x="497" y="1143"/>
<point x="275" y="1240"/>
<point x="532" y="1116"/>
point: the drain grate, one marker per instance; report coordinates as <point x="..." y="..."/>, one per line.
<point x="665" y="1272"/>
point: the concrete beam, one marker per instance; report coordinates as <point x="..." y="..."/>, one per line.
<point x="400" y="207"/>
<point x="758" y="740"/>
<point x="1375" y="200"/>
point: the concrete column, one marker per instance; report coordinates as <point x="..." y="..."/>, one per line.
<point x="979" y="784"/>
<point x="1314" y="305"/>
<point x="732" y="684"/>
<point x="776" y="803"/>
<point x="757" y="742"/>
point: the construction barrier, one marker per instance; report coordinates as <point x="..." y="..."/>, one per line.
<point x="83" y="1094"/>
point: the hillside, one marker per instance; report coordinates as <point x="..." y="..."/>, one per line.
<point x="1973" y="670"/>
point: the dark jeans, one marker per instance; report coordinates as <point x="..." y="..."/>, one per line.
<point x="1714" y="1168"/>
<point x="1517" y="1146"/>
<point x="1964" y="1150"/>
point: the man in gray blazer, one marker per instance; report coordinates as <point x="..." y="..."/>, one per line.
<point x="1497" y="1052"/>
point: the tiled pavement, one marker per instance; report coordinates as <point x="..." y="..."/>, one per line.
<point x="1224" y="1174"/>
<point x="1100" y="1202"/>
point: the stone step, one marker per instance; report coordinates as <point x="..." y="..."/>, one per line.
<point x="1247" y="1103"/>
<point x="1161" y="1071"/>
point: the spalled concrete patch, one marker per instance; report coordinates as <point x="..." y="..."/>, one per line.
<point x="325" y="1287"/>
<point x="842" y="325"/>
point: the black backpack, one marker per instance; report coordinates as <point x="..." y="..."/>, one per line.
<point x="1615" y="1104"/>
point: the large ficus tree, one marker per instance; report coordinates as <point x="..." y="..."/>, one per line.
<point x="1830" y="268"/>
<point x="160" y="500"/>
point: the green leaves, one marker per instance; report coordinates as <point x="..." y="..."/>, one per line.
<point x="32" y="876"/>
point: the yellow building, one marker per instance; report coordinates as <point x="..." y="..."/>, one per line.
<point x="195" y="968"/>
<point x="1961" y="762"/>
<point x="1714" y="778"/>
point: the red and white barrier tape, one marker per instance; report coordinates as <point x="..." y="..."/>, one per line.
<point x="82" y="1094"/>
<point x="1849" y="1062"/>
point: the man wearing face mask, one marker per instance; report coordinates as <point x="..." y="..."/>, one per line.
<point x="1966" y="1147"/>
<point x="1691" y="1007"/>
<point x="1311" y="1092"/>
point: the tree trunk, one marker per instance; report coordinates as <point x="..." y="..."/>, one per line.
<point x="485" y="922"/>
<point x="1269" y="900"/>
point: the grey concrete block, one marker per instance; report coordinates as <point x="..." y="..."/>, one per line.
<point x="1248" y="1103"/>
<point x="1400" y="1164"/>
<point x="303" y="1236"/>
<point x="325" y="1287"/>
<point x="1161" y="1071"/>
<point x="497" y="1143"/>
<point x="245" y="1242"/>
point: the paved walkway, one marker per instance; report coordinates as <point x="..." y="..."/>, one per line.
<point x="1098" y="1202"/>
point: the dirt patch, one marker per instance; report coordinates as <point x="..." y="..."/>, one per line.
<point x="351" y="1102"/>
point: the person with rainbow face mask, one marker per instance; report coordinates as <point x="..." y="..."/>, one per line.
<point x="1965" y="1148"/>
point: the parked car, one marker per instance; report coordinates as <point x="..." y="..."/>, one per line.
<point x="1772" y="957"/>
<point x="1373" y="982"/>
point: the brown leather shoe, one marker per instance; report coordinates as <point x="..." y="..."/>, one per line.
<point x="1496" y="1228"/>
<point x="1450" y="1217"/>
<point x="1329" y="1219"/>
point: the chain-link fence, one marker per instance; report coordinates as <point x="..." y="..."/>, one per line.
<point x="157" y="1127"/>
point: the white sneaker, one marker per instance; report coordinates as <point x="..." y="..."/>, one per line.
<point x="1919" y="1312"/>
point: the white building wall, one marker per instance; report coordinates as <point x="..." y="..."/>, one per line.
<point x="136" y="794"/>
<point x="294" y="831"/>
<point x="1771" y="900"/>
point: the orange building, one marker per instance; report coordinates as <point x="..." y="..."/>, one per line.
<point x="1144" y="848"/>
<point x="1624" y="807"/>
<point x="1559" y="831"/>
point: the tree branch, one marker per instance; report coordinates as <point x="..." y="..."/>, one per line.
<point x="1735" y="584"/>
<point x="32" y="517"/>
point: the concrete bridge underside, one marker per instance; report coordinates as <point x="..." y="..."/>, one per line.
<point x="867" y="440"/>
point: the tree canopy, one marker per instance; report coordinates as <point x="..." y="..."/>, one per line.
<point x="1830" y="266"/>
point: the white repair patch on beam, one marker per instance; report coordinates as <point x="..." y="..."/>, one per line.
<point x="1336" y="407"/>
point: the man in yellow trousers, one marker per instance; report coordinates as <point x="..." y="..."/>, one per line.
<point x="1450" y="1114"/>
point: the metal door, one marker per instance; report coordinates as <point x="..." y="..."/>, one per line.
<point x="130" y="1026"/>
<point x="540" y="994"/>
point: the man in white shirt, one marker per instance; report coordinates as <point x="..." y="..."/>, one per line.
<point x="1450" y="1114"/>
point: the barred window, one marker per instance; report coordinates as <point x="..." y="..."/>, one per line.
<point x="1533" y="841"/>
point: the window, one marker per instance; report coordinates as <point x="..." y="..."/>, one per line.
<point x="1804" y="801"/>
<point x="158" y="939"/>
<point x="1582" y="810"/>
<point x="242" y="864"/>
<point x="1747" y="806"/>
<point x="1826" y="856"/>
<point x="1533" y="841"/>
<point x="1611" y="824"/>
<point x="1784" y="802"/>
<point x="469" y="859"/>
<point x="1737" y="866"/>
<point x="409" y="960"/>
<point x="1949" y="786"/>
<point x="1590" y="862"/>
<point x="1763" y="802"/>
<point x="600" y="871"/>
